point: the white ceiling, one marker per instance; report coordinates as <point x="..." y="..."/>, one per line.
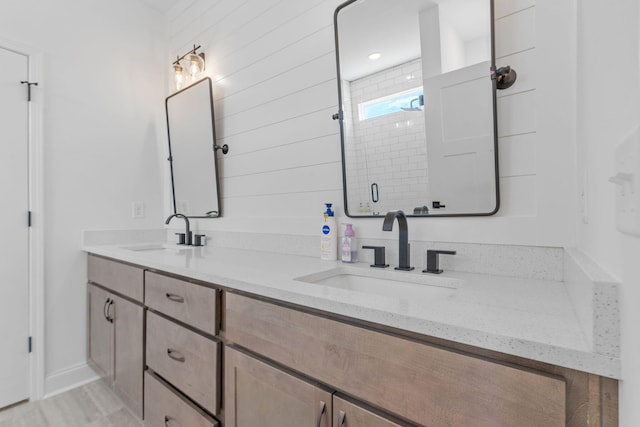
<point x="162" y="6"/>
<point x="392" y="28"/>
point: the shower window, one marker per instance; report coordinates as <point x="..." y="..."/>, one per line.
<point x="408" y="100"/>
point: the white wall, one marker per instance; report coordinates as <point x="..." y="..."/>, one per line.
<point x="608" y="109"/>
<point x="101" y="92"/>
<point x="275" y="89"/>
<point x="274" y="70"/>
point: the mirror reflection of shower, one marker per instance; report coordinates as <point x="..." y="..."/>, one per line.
<point x="415" y="104"/>
<point x="422" y="110"/>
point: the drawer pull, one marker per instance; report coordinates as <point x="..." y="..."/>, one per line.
<point x="321" y="408"/>
<point x="341" y="417"/>
<point x="104" y="309"/>
<point x="173" y="422"/>
<point x="109" y="316"/>
<point x="175" y="298"/>
<point x="175" y="355"/>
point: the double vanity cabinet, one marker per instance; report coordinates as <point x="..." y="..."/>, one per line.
<point x="182" y="352"/>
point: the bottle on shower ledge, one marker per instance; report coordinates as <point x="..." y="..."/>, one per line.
<point x="349" y="245"/>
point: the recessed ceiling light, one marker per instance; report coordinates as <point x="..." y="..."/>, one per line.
<point x="375" y="55"/>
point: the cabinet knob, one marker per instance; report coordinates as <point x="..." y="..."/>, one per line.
<point x="341" y="417"/>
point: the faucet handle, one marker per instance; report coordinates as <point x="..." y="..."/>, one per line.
<point x="432" y="260"/>
<point x="181" y="238"/>
<point x="199" y="239"/>
<point x="378" y="256"/>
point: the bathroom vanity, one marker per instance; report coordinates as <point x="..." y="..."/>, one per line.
<point x="244" y="338"/>
<point x="116" y="327"/>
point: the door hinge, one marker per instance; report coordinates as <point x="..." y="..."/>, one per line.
<point x="29" y="84"/>
<point x="29" y="219"/>
<point x="30" y="344"/>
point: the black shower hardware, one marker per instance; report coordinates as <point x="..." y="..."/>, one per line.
<point x="375" y="196"/>
<point x="411" y="107"/>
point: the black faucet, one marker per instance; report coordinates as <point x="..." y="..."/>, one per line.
<point x="432" y="260"/>
<point x="187" y="233"/>
<point x="403" y="239"/>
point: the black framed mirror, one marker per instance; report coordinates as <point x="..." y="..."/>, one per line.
<point x="417" y="107"/>
<point x="192" y="151"/>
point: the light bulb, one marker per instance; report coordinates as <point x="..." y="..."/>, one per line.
<point x="196" y="65"/>
<point x="179" y="76"/>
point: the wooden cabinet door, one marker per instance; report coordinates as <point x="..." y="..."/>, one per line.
<point x="100" y="336"/>
<point x="347" y="414"/>
<point x="128" y="352"/>
<point x="419" y="382"/>
<point x="257" y="394"/>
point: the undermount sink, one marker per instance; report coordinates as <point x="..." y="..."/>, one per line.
<point x="148" y="247"/>
<point x="386" y="283"/>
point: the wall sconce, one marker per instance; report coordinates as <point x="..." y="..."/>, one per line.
<point x="195" y="67"/>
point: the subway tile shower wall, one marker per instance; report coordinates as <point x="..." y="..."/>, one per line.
<point x="399" y="153"/>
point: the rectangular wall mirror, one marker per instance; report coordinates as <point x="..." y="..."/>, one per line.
<point x="417" y="107"/>
<point x="192" y="153"/>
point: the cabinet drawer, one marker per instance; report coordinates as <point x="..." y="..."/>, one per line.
<point x="162" y="406"/>
<point x="347" y="414"/>
<point x="192" y="304"/>
<point x="121" y="278"/>
<point x="426" y="384"/>
<point x="187" y="360"/>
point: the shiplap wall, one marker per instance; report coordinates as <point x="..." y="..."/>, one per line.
<point x="515" y="46"/>
<point x="273" y="66"/>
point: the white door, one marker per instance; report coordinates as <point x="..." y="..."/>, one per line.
<point x="14" y="250"/>
<point x="460" y="144"/>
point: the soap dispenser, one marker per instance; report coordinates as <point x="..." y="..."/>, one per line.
<point x="349" y="245"/>
<point x="328" y="236"/>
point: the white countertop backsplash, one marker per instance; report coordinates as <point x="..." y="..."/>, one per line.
<point x="523" y="308"/>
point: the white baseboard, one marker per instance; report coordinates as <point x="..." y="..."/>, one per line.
<point x="66" y="379"/>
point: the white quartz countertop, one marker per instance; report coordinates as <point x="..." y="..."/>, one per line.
<point x="523" y="317"/>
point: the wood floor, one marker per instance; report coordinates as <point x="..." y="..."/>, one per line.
<point x="92" y="405"/>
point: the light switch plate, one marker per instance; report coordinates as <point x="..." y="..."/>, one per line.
<point x="627" y="180"/>
<point x="137" y="209"/>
